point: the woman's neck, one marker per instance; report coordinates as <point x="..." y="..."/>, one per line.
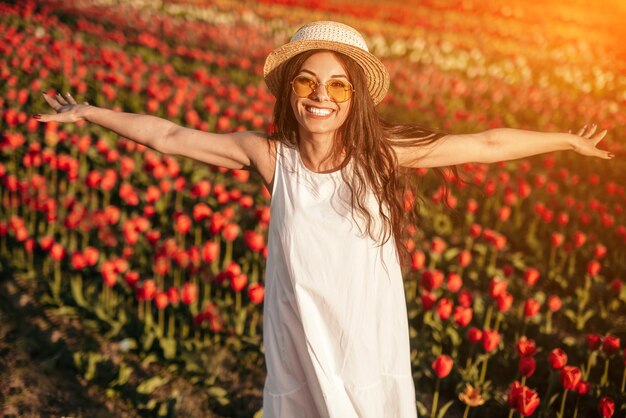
<point x="314" y="151"/>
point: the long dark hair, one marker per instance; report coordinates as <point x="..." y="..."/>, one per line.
<point x="367" y="139"/>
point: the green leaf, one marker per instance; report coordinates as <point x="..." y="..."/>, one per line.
<point x="123" y="374"/>
<point x="168" y="345"/>
<point x="92" y="362"/>
<point x="444" y="409"/>
<point x="150" y="358"/>
<point x="219" y="394"/>
<point x="421" y="409"/>
<point x="450" y="253"/>
<point x="258" y="414"/>
<point x="149" y="385"/>
<point x="77" y="292"/>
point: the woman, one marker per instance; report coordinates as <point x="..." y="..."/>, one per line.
<point x="335" y="321"/>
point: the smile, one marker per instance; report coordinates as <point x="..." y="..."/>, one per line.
<point x="318" y="112"/>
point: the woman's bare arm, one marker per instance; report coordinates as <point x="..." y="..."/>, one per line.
<point x="500" y="144"/>
<point x="232" y="150"/>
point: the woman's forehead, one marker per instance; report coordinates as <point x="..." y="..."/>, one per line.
<point x="324" y="63"/>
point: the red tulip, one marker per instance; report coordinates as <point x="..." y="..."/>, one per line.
<point x="504" y="301"/>
<point x="610" y="344"/>
<point x="454" y="282"/>
<point x="148" y="290"/>
<point x="579" y="239"/>
<point x="491" y="339"/>
<point x="557" y="239"/>
<point x="428" y="300"/>
<point x="594" y="341"/>
<point x="527" y="366"/>
<point x="464" y="299"/>
<point x="474" y="335"/>
<point x="161" y="300"/>
<point x="464" y="258"/>
<point x="583" y="388"/>
<point x="230" y="231"/>
<point x="57" y="252"/>
<point x="418" y="260"/>
<point x="557" y="359"/>
<point x="606" y="407"/>
<point x="182" y="223"/>
<point x="593" y="268"/>
<point x="438" y="245"/>
<point x="78" y="261"/>
<point x="504" y="213"/>
<point x="210" y="251"/>
<point x="554" y="303"/>
<point x="531" y="308"/>
<point x="173" y="295"/>
<point x="570" y="377"/>
<point x="531" y="275"/>
<point x="442" y="366"/>
<point x="254" y="240"/>
<point x="523" y="399"/>
<point x="496" y="287"/>
<point x="189" y="293"/>
<point x="444" y="308"/>
<point x="238" y="282"/>
<point x="475" y="230"/>
<point x="432" y="279"/>
<point x="256" y="292"/>
<point x="462" y="315"/>
<point x="599" y="251"/>
<point x="526" y="347"/>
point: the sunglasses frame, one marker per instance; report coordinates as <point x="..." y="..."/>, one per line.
<point x="317" y="85"/>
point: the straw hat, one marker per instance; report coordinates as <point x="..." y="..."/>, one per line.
<point x="333" y="36"/>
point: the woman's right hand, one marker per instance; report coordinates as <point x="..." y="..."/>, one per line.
<point x="67" y="110"/>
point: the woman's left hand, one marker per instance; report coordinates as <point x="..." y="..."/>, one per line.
<point x="585" y="141"/>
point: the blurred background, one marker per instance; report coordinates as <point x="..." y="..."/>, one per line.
<point x="132" y="282"/>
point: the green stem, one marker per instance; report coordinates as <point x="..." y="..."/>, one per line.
<point x="435" y="400"/>
<point x="467" y="408"/>
<point x="576" y="409"/>
<point x="563" y="403"/>
<point x="171" y="325"/>
<point x="483" y="371"/>
<point x="488" y="317"/>
<point x="605" y="375"/>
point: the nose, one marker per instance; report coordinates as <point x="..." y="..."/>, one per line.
<point x="321" y="94"/>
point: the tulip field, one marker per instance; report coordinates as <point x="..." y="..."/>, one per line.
<point x="132" y="282"/>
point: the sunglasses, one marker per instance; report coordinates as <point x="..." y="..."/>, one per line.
<point x="339" y="91"/>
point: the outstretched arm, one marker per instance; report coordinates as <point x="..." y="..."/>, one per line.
<point x="500" y="144"/>
<point x="231" y="150"/>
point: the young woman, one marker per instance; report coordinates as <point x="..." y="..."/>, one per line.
<point x="335" y="321"/>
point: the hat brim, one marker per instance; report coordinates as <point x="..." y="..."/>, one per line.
<point x="375" y="71"/>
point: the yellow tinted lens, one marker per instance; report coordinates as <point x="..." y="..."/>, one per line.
<point x="339" y="91"/>
<point x="303" y="86"/>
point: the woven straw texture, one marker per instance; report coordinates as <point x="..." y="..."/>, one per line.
<point x="332" y="36"/>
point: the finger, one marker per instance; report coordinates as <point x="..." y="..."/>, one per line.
<point x="591" y="131"/>
<point x="87" y="103"/>
<point x="42" y="117"/>
<point x="599" y="136"/>
<point x="581" y="131"/>
<point x="70" y="98"/>
<point x="569" y="131"/>
<point x="61" y="99"/>
<point x="51" y="101"/>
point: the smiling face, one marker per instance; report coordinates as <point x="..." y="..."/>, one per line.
<point x="318" y="115"/>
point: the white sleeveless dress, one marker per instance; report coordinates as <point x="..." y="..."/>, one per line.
<point x="335" y="325"/>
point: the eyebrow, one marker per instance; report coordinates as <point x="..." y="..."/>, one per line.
<point x="332" y="76"/>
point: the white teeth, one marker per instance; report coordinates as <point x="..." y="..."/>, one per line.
<point x="319" y="112"/>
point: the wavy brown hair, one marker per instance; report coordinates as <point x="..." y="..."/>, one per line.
<point x="367" y="139"/>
